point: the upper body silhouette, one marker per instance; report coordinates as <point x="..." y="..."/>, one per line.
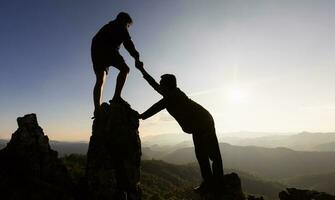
<point x="193" y="119"/>
<point x="190" y="115"/>
<point x="109" y="39"/>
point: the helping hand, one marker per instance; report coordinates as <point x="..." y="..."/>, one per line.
<point x="138" y="115"/>
<point x="139" y="64"/>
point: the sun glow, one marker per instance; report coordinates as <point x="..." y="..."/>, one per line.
<point x="236" y="95"/>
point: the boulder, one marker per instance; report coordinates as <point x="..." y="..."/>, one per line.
<point x="231" y="189"/>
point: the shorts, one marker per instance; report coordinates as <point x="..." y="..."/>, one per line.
<point x="103" y="59"/>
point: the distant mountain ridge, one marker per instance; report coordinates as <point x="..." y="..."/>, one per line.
<point x="323" y="182"/>
<point x="33" y="157"/>
<point x="330" y="146"/>
<point x="269" y="163"/>
<point x="62" y="147"/>
<point x="305" y="141"/>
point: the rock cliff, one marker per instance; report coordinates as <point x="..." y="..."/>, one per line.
<point x="114" y="154"/>
<point x="231" y="189"/>
<point x="29" y="168"/>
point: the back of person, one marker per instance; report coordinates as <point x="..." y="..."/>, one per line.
<point x="191" y="116"/>
<point x="110" y="36"/>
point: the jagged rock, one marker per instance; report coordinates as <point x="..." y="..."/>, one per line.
<point x="114" y="154"/>
<point x="297" y="194"/>
<point x="231" y="189"/>
<point x="29" y="168"/>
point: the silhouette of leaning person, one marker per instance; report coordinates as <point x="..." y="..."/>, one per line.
<point x="105" y="53"/>
<point x="192" y="118"/>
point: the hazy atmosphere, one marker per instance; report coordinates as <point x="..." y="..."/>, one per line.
<point x="258" y="66"/>
<point x="256" y="123"/>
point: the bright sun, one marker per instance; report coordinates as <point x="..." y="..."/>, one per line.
<point x="236" y="95"/>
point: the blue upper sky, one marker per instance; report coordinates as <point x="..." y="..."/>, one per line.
<point x="255" y="65"/>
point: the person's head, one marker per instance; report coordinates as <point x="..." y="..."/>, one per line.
<point x="125" y="19"/>
<point x="168" y="82"/>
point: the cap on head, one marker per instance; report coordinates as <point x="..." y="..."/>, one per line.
<point x="124" y="17"/>
<point x="169" y="81"/>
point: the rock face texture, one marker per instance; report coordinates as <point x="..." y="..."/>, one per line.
<point x="29" y="168"/>
<point x="114" y="154"/>
<point x="296" y="194"/>
<point x="231" y="189"/>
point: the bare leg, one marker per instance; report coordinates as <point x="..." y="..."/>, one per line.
<point x="98" y="87"/>
<point x="121" y="79"/>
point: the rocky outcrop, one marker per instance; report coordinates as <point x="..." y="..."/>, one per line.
<point x="231" y="189"/>
<point x="114" y="154"/>
<point x="29" y="168"/>
<point x="297" y="194"/>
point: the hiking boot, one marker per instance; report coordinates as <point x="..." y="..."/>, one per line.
<point x="202" y="188"/>
<point x="120" y="101"/>
<point x="98" y="111"/>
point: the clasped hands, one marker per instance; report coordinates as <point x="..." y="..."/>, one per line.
<point x="139" y="65"/>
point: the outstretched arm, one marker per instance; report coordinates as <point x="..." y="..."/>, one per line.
<point x="148" y="78"/>
<point x="160" y="105"/>
<point x="129" y="45"/>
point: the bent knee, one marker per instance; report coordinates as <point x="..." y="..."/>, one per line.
<point x="123" y="68"/>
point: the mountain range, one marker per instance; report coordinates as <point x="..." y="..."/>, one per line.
<point x="304" y="141"/>
<point x="269" y="163"/>
<point x="304" y="169"/>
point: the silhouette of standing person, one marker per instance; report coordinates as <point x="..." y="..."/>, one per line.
<point x="193" y="119"/>
<point x="105" y="53"/>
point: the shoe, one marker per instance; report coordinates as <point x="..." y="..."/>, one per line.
<point x="202" y="188"/>
<point x="119" y="100"/>
<point x="96" y="112"/>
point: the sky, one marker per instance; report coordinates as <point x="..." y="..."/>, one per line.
<point x="260" y="66"/>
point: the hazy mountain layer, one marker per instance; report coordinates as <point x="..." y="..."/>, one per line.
<point x="270" y="163"/>
<point x="320" y="182"/>
<point x="304" y="141"/>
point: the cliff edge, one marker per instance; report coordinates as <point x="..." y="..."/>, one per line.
<point x="114" y="154"/>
